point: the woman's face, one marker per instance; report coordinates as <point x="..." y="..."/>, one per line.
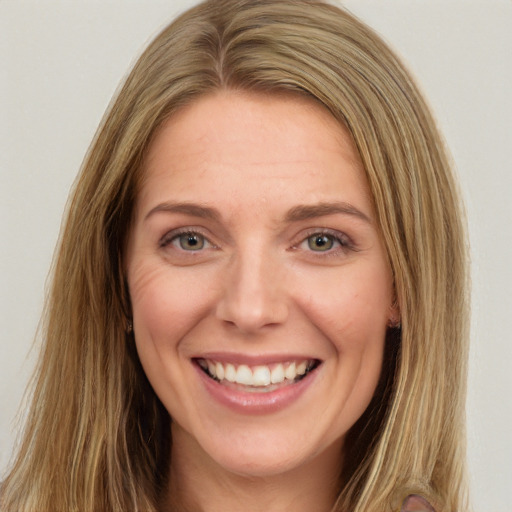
<point x="260" y="288"/>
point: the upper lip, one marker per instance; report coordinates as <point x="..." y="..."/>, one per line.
<point x="254" y="360"/>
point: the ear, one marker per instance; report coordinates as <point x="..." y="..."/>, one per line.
<point x="415" y="503"/>
<point x="394" y="318"/>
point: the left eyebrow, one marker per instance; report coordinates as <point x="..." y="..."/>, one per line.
<point x="305" y="212"/>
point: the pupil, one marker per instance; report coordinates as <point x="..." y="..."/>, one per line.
<point x="320" y="243"/>
<point x="191" y="241"/>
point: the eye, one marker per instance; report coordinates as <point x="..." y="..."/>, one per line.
<point x="320" y="242"/>
<point x="327" y="242"/>
<point x="189" y="241"/>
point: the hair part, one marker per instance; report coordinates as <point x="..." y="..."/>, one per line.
<point x="97" y="436"/>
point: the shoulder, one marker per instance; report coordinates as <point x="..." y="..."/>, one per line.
<point x="415" y="503"/>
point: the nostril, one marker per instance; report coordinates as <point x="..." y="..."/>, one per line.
<point x="253" y="295"/>
<point x="251" y="315"/>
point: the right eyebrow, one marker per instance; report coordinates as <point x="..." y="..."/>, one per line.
<point x="193" y="209"/>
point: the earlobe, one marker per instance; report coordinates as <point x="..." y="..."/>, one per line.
<point x="395" y="320"/>
<point x="416" y="503"/>
<point x="126" y="303"/>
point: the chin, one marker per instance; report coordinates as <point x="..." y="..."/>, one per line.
<point x="271" y="452"/>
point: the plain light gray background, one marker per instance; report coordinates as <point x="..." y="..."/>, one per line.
<point x="61" y="61"/>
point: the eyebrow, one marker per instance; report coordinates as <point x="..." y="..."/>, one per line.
<point x="295" y="214"/>
<point x="196" y="210"/>
<point x="305" y="212"/>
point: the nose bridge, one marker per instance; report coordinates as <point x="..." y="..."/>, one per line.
<point x="253" y="296"/>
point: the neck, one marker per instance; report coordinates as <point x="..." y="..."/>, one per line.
<point x="199" y="484"/>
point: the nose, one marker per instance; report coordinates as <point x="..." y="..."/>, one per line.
<point x="253" y="294"/>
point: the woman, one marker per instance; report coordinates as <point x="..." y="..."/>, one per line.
<point x="264" y="245"/>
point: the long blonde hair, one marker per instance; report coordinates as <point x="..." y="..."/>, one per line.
<point x="97" y="437"/>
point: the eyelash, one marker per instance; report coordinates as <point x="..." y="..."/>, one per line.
<point x="345" y="244"/>
<point x="174" y="236"/>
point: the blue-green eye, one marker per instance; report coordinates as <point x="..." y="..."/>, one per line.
<point x="190" y="241"/>
<point x="320" y="242"/>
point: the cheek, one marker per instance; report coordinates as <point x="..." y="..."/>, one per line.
<point x="166" y="304"/>
<point x="352" y="314"/>
<point x="351" y="307"/>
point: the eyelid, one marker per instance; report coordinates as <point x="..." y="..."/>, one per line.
<point x="173" y="234"/>
<point x="345" y="242"/>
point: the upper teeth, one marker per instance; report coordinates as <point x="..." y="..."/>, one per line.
<point x="262" y="375"/>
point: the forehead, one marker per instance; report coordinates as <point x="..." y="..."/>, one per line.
<point x="255" y="147"/>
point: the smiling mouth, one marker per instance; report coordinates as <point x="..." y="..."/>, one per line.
<point x="260" y="378"/>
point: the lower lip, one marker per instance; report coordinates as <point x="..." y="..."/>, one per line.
<point x="264" y="402"/>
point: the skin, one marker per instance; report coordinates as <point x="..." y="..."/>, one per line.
<point x="259" y="286"/>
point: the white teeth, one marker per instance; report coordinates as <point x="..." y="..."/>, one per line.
<point x="219" y="371"/>
<point x="230" y="373"/>
<point x="261" y="376"/>
<point x="244" y="375"/>
<point x="258" y="376"/>
<point x="277" y="374"/>
<point x="290" y="372"/>
<point x="302" y="367"/>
